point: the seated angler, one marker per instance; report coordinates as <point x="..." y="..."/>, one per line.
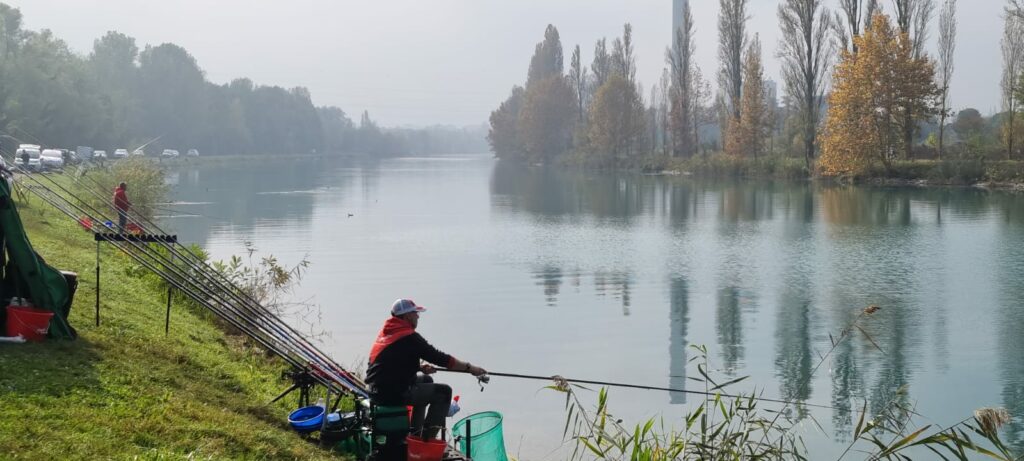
<point x="396" y="357"/>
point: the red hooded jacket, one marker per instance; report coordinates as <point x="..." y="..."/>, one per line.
<point x="121" y="199"/>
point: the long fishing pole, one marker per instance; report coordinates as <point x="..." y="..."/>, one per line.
<point x="203" y="268"/>
<point x="232" y="319"/>
<point x="637" y="386"/>
<point x="199" y="265"/>
<point x="314" y="356"/>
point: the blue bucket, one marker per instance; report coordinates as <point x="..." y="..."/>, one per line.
<point x="307" y="419"/>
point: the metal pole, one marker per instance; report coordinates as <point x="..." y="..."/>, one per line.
<point x="469" y="438"/>
<point x="167" y="319"/>
<point x="97" y="282"/>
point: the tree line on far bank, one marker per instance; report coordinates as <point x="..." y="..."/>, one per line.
<point x="121" y="96"/>
<point x="859" y="95"/>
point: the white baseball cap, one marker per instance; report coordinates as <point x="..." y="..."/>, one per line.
<point x="405" y="306"/>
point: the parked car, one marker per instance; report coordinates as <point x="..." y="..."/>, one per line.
<point x="51" y="159"/>
<point x="83" y="152"/>
<point x="192" y="153"/>
<point x="169" y="153"/>
<point x="71" y="157"/>
<point x="33" y="151"/>
<point x="99" y="154"/>
<point x="139" y="152"/>
<point x="121" y="153"/>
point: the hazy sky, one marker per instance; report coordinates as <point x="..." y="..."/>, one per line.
<point x="419" y="62"/>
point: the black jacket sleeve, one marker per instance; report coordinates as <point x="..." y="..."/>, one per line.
<point x="427" y="352"/>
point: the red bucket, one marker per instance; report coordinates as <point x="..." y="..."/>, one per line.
<point x="425" y="450"/>
<point x="31" y="324"/>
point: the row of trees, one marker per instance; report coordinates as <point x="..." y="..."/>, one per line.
<point x="858" y="88"/>
<point x="602" y="118"/>
<point x="596" y="110"/>
<point x="122" y="96"/>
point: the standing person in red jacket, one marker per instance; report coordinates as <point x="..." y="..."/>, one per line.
<point x="396" y="357"/>
<point x="122" y="204"/>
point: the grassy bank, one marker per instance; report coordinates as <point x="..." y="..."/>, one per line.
<point x="124" y="390"/>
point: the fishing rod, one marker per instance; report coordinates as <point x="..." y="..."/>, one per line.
<point x="186" y="213"/>
<point x="306" y="350"/>
<point x="151" y="141"/>
<point x="233" y="320"/>
<point x="637" y="386"/>
<point x="204" y="269"/>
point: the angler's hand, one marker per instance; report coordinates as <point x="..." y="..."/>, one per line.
<point x="476" y="371"/>
<point x="428" y="369"/>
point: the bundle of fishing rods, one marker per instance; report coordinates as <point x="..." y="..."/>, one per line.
<point x="190" y="274"/>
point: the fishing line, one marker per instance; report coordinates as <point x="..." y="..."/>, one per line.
<point x="643" y="387"/>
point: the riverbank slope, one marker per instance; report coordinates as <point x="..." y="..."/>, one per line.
<point x="124" y="390"/>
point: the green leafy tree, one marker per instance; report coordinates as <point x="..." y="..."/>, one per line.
<point x="616" y="121"/>
<point x="546" y="119"/>
<point x="504" y="133"/>
<point x="754" y="123"/>
<point x="969" y="123"/>
<point x="547" y="58"/>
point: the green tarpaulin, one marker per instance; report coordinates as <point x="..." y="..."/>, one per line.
<point x="25" y="274"/>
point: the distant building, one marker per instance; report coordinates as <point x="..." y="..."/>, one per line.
<point x="678" y="7"/>
<point x="771" y="92"/>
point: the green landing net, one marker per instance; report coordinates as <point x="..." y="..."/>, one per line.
<point x="486" y="441"/>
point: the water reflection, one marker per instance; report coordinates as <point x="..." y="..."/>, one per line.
<point x="246" y="198"/>
<point x="679" y="318"/>
<point x="767" y="275"/>
<point x="550" y="277"/>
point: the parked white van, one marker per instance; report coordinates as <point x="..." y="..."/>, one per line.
<point x="121" y="153"/>
<point x="33" y="151"/>
<point x="52" y="159"/>
<point x="169" y="153"/>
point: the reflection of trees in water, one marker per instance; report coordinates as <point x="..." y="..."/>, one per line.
<point x="549" y="277"/>
<point x="847" y="382"/>
<point x="679" y="318"/>
<point x="729" y="320"/>
<point x="1010" y="331"/>
<point x="624" y="196"/>
<point x="244" y="194"/>
<point x="558" y="192"/>
<point x="617" y="284"/>
<point x="880" y="206"/>
<point x="747" y="201"/>
<point x="794" y="358"/>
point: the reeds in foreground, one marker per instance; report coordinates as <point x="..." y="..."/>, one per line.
<point x="737" y="427"/>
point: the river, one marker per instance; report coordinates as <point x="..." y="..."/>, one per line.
<point x="612" y="276"/>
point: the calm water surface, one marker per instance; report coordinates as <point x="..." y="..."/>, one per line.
<point x="613" y="276"/>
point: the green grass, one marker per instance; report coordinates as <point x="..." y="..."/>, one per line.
<point x="124" y="390"/>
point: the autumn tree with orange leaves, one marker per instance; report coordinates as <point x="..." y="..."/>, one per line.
<point x="872" y="92"/>
<point x="753" y="127"/>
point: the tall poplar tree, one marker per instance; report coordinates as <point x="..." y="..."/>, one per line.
<point x="681" y="66"/>
<point x="806" y="53"/>
<point x="754" y="117"/>
<point x="732" y="40"/>
<point x="947" y="45"/>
